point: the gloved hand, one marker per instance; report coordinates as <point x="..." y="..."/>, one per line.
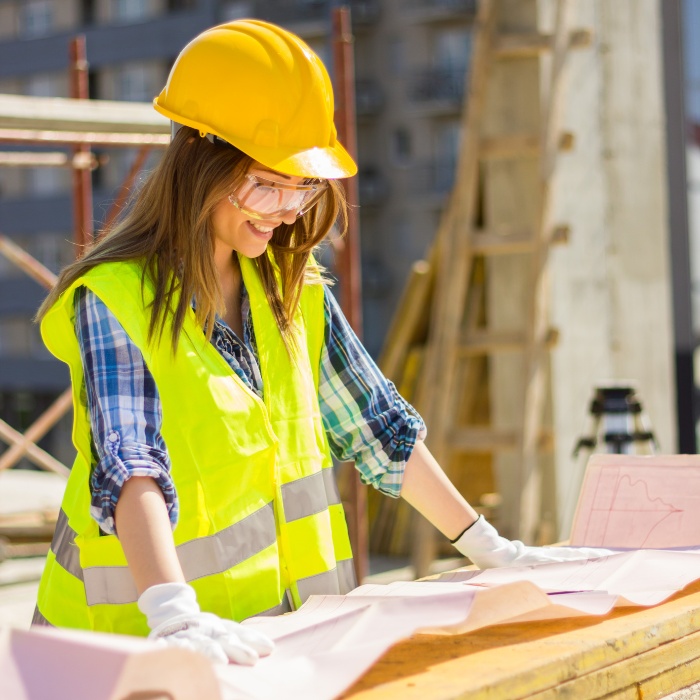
<point x="174" y="616"/>
<point x="488" y="550"/>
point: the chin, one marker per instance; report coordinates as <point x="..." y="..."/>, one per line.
<point x="253" y="251"/>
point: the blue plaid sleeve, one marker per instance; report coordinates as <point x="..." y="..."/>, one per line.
<point x="365" y="418"/>
<point x="125" y="411"/>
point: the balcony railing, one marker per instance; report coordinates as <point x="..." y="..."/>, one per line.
<point x="431" y="10"/>
<point x="292" y="11"/>
<point x="438" y="85"/>
<point x="362" y="12"/>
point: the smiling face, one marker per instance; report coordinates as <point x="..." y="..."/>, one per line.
<point x="236" y="230"/>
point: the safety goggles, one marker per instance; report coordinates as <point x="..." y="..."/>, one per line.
<point x="261" y="198"/>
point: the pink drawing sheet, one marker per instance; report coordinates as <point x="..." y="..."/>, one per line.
<point x="634" y="502"/>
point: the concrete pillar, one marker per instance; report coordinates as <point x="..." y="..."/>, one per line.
<point x="611" y="285"/>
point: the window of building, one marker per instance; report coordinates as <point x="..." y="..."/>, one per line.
<point x="15" y="337"/>
<point x="88" y="11"/>
<point x="37" y="18"/>
<point x="42" y="85"/>
<point x="133" y="84"/>
<point x="402" y="146"/>
<point x="45" y="182"/>
<point x="446" y="148"/>
<point x="451" y="49"/>
<point x="397" y="55"/>
<point x="129" y="10"/>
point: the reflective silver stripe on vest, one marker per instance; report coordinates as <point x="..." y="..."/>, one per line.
<point x="309" y="495"/>
<point x="284" y="607"/>
<point x="331" y="484"/>
<point x="39" y="620"/>
<point x="64" y="548"/>
<point x="109" y="585"/>
<point x="338" y="581"/>
<point x="347" y="580"/>
<point x="217" y="553"/>
<point x="325" y="583"/>
<point x="205" y="556"/>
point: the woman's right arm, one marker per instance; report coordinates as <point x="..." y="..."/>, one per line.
<point x="133" y="495"/>
<point x="126" y="417"/>
<point x="142" y="521"/>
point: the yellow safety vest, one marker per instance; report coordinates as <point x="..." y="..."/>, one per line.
<point x="261" y="525"/>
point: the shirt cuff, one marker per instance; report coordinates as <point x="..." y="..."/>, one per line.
<point x="121" y="462"/>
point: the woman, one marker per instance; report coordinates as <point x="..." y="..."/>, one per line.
<point x="213" y="374"/>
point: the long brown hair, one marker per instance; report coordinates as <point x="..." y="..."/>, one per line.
<point x="168" y="226"/>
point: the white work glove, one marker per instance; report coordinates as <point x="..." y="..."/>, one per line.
<point x="488" y="550"/>
<point x="174" y="616"/>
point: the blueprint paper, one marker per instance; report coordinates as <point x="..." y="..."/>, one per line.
<point x="63" y="664"/>
<point x="332" y="640"/>
<point x="644" y="577"/>
<point x="636" y="502"/>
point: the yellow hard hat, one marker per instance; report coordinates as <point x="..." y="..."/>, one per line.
<point x="263" y="90"/>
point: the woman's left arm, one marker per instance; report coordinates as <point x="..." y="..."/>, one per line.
<point x="367" y="421"/>
<point x="427" y="488"/>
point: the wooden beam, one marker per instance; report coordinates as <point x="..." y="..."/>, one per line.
<point x="66" y="114"/>
<point x="114" y="140"/>
<point x="410" y="310"/>
<point x="453" y="270"/>
<point x="22" y="159"/>
<point x="27" y="263"/>
<point x="486" y="439"/>
<point x="490" y="243"/>
<point x="38" y="429"/>
<point x="519" y="146"/>
<point x="536" y="375"/>
<point x="35" y="454"/>
<point x="630" y="653"/>
<point x="484" y="342"/>
<point x="531" y="44"/>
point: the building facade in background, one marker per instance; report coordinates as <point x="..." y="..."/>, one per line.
<point x="411" y="61"/>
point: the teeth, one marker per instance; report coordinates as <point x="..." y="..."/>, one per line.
<point x="262" y="229"/>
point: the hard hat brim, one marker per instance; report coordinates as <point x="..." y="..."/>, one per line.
<point x="329" y="163"/>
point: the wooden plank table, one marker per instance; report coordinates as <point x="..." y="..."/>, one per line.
<point x="629" y="654"/>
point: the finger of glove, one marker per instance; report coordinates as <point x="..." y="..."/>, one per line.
<point x="199" y="643"/>
<point x="262" y="644"/>
<point x="237" y="651"/>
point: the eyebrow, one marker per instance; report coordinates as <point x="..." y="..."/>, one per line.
<point x="274" y="172"/>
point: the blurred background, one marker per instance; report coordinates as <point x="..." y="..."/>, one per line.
<point x="623" y="280"/>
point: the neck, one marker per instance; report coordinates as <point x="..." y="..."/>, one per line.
<point x="226" y="262"/>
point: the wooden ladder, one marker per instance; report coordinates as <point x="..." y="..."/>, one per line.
<point x="438" y="344"/>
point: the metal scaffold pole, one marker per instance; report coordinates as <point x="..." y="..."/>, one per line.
<point x="348" y="259"/>
<point x="82" y="176"/>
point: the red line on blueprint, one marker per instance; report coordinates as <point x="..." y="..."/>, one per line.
<point x="595" y="500"/>
<point x="651" y="500"/>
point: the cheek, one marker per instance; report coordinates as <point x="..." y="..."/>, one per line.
<point x="227" y="222"/>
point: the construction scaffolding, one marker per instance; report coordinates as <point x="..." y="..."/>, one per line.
<point x="78" y="123"/>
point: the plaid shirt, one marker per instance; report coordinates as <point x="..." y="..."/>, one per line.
<point x="364" y="417"/>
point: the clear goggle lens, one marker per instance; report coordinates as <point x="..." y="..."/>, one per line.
<point x="261" y="198"/>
